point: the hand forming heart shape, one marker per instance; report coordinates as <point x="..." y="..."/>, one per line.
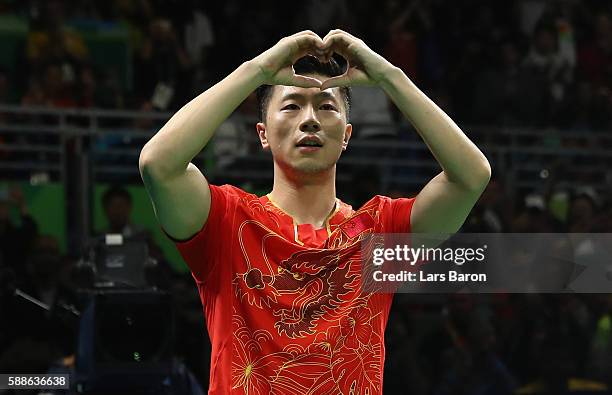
<point x="364" y="66"/>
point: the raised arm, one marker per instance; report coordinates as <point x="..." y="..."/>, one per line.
<point x="445" y="202"/>
<point x="178" y="190"/>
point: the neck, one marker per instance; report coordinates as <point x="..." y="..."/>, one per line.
<point x="309" y="198"/>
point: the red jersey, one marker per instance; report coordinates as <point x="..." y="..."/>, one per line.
<point x="283" y="302"/>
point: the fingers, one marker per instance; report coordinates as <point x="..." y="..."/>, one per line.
<point x="308" y="44"/>
<point x="352" y="77"/>
<point x="308" y="37"/>
<point x="337" y="42"/>
<point x="342" y="80"/>
<point x="305" y="82"/>
<point x="339" y="31"/>
<point x="308" y="32"/>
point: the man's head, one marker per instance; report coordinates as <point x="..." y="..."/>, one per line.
<point x="305" y="128"/>
<point x="117" y="204"/>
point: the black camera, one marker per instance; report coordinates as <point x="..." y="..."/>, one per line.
<point x="114" y="261"/>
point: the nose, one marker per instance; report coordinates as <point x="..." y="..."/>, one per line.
<point x="310" y="123"/>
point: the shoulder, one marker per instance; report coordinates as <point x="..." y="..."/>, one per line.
<point x="230" y="200"/>
<point x="379" y="202"/>
<point x="392" y="214"/>
<point x="345" y="209"/>
<point x="230" y="192"/>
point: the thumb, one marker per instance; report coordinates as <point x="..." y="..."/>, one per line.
<point x="342" y="80"/>
<point x="305" y="82"/>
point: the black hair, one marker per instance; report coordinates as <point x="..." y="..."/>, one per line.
<point x="306" y="65"/>
<point x="113" y="192"/>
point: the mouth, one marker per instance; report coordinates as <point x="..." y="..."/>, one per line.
<point x="309" y="144"/>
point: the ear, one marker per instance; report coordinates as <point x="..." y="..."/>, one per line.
<point x="348" y="131"/>
<point x="263" y="137"/>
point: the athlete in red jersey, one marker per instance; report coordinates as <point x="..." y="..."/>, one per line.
<point x="279" y="276"/>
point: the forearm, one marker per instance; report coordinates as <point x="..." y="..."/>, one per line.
<point x="188" y="131"/>
<point x="463" y="163"/>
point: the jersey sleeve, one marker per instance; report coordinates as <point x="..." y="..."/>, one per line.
<point x="202" y="252"/>
<point x="398" y="215"/>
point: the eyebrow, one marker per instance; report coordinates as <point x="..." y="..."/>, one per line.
<point x="324" y="95"/>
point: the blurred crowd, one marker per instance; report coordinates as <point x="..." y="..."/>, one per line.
<point x="524" y="63"/>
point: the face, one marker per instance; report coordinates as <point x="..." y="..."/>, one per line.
<point x="305" y="128"/>
<point x="118" y="212"/>
<point x="545" y="42"/>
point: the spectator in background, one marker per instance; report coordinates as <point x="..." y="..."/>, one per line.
<point x="533" y="217"/>
<point x="38" y="335"/>
<point x="500" y="97"/>
<point x="530" y="13"/>
<point x="51" y="40"/>
<point x="581" y="221"/>
<point x="600" y="355"/>
<point x="472" y="365"/>
<point x="582" y="211"/>
<point x="411" y="45"/>
<point x="117" y="206"/>
<point x="35" y="94"/>
<point x="549" y="68"/>
<point x="58" y="86"/>
<point x="100" y="90"/>
<point x="56" y="52"/>
<point x="135" y="14"/>
<point x="49" y="280"/>
<point x="86" y="87"/>
<point x="401" y="47"/>
<point x="199" y="39"/>
<point x="43" y="265"/>
<point x="322" y="15"/>
<point x="234" y="145"/>
<point x="371" y="113"/>
<point x="489" y="214"/>
<point x="35" y="337"/>
<point x="595" y="54"/>
<point x="586" y="112"/>
<point x="558" y="371"/>
<point x="479" y="38"/>
<point x="403" y="369"/>
<point x="163" y="66"/>
<point x="603" y="220"/>
<point x="595" y="68"/>
<point x="108" y="91"/>
<point x="16" y="239"/>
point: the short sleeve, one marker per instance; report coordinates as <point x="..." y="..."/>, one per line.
<point x="202" y="251"/>
<point x="398" y="215"/>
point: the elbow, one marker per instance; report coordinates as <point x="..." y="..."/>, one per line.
<point x="151" y="165"/>
<point x="482" y="175"/>
<point x="144" y="160"/>
<point x="476" y="178"/>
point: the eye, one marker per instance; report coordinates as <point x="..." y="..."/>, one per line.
<point x="328" y="107"/>
<point x="291" y="107"/>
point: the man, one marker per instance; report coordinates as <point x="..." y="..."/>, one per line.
<point x="117" y="206"/>
<point x="279" y="275"/>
